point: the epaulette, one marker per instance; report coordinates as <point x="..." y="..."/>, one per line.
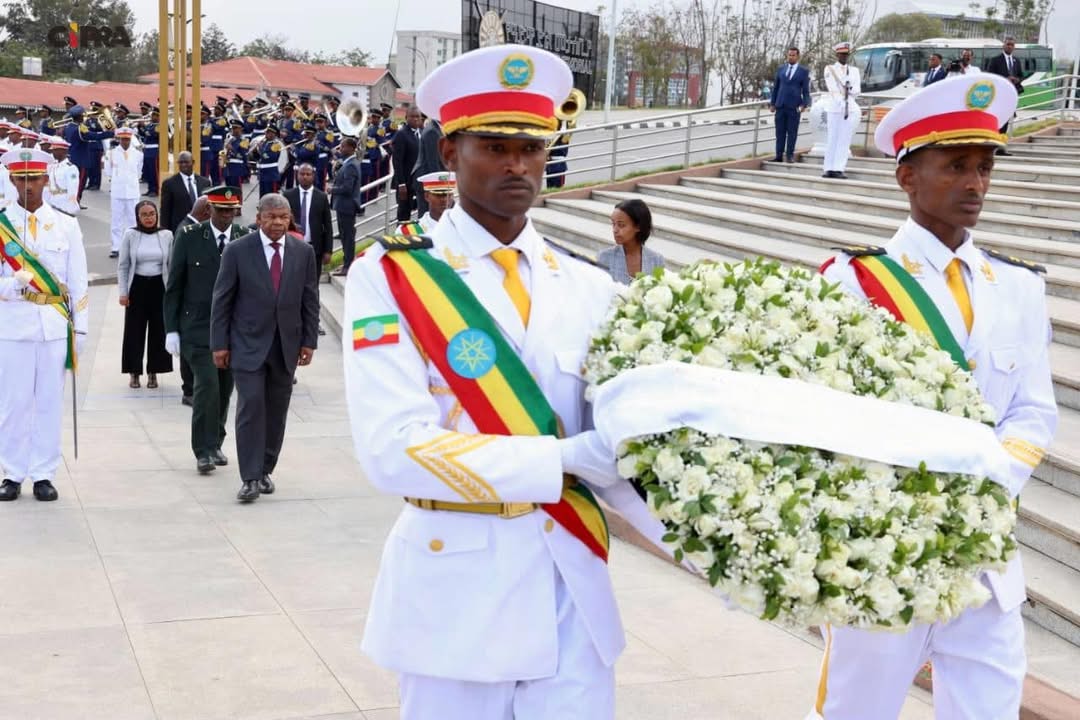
<point x="405" y="242"/>
<point x="560" y="248"/>
<point x="861" y="250"/>
<point x="1013" y="260"/>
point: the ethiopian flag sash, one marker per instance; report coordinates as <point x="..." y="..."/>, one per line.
<point x="411" y="229"/>
<point x="486" y="375"/>
<point x="17" y="257"/>
<point x="890" y="286"/>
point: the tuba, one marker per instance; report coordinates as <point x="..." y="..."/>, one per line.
<point x="351" y="118"/>
<point x="106" y="119"/>
<point x="567" y="115"/>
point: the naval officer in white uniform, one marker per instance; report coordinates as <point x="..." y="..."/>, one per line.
<point x="843" y="84"/>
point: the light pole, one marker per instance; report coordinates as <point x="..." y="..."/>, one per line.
<point x="417" y="51"/>
<point x="610" y="61"/>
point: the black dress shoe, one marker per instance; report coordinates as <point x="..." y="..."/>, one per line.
<point x="266" y="485"/>
<point x="840" y="176"/>
<point x="219" y="458"/>
<point x="205" y="464"/>
<point x="44" y="491"/>
<point x="790" y="159"/>
<point x="1004" y="152"/>
<point x="777" y="159"/>
<point x="114" y="254"/>
<point x="9" y="490"/>
<point x="249" y="491"/>
<point x="186" y="400"/>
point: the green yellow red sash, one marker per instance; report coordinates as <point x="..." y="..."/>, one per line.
<point x="491" y="382"/>
<point x="411" y="229"/>
<point x="17" y="257"/>
<point x="890" y="286"/>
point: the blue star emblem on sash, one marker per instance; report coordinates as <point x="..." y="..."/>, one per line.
<point x="471" y="353"/>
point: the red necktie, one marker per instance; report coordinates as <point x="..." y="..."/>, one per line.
<point x="275" y="266"/>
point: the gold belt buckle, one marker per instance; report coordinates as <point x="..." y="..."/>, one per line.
<point x="513" y="510"/>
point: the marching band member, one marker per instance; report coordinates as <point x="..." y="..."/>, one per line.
<point x="327" y="141"/>
<point x="149" y="134"/>
<point x="439" y="193"/>
<point x="95" y="147"/>
<point x="43" y="326"/>
<point x="123" y="167"/>
<point x="46" y="126"/>
<point x="268" y="153"/>
<point x="236" y="153"/>
<point x="62" y="192"/>
<point x="79" y="135"/>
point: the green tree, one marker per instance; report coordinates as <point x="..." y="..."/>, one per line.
<point x="26" y="25"/>
<point x="216" y="45"/>
<point x="273" y="47"/>
<point x="906" y="27"/>
<point x="1028" y="17"/>
<point x="145" y="57"/>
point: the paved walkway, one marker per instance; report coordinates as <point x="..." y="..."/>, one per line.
<point x="147" y="592"/>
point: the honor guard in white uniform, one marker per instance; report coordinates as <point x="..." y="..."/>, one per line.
<point x="944" y="137"/>
<point x="62" y="191"/>
<point x="43" y="324"/>
<point x="439" y="190"/>
<point x="843" y="85"/>
<point x="493" y="599"/>
<point x="123" y="167"/>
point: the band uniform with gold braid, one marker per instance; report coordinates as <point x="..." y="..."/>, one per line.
<point x="503" y="510"/>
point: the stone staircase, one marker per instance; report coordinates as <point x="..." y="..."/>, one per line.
<point x="789" y="212"/>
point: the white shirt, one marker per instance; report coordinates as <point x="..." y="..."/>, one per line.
<point x="269" y="251"/>
<point x="218" y="232"/>
<point x="124" y="170"/>
<point x="836" y="75"/>
<point x="62" y="192"/>
<point x="971" y="70"/>
<point x="305" y="197"/>
<point x="189" y="185"/>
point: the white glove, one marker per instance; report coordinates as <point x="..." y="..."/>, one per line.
<point x="586" y="456"/>
<point x="172" y="344"/>
<point x="23" y="278"/>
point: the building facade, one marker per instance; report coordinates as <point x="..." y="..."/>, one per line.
<point x="419" y="52"/>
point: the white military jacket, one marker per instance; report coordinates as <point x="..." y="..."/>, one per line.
<point x="124" y="170"/>
<point x="835" y="77"/>
<point x="1007" y="350"/>
<point x="467" y="596"/>
<point x="59" y="245"/>
<point x="62" y="192"/>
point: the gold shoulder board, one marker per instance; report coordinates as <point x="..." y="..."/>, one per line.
<point x="1013" y="260"/>
<point x="861" y="250"/>
<point x="405" y="242"/>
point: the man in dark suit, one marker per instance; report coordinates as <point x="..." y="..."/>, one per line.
<point x="311" y="210"/>
<point x="428" y="161"/>
<point x="264" y="323"/>
<point x="178" y="193"/>
<point x="1008" y="67"/>
<point x="936" y="71"/>
<point x="791" y="95"/>
<point x="200" y="212"/>
<point x="347" y="201"/>
<point x="406" y="151"/>
<point x="189" y="291"/>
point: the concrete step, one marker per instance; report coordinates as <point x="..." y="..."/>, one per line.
<point x="1050" y="522"/>
<point x="1064" y="140"/>
<point x="1066" y="321"/>
<point x="1065" y="365"/>
<point x="1064" y="152"/>
<point x="1053" y="595"/>
<point x="886" y="188"/>
<point x="829" y="228"/>
<point x="1053" y="660"/>
<point x="1006" y="233"/>
<point x="1061" y="467"/>
<point x="1029" y="190"/>
<point x="1012" y="169"/>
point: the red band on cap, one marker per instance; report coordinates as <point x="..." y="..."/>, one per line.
<point x="507" y="101"/>
<point x="962" y="120"/>
<point x="31" y="167"/>
<point x="232" y="199"/>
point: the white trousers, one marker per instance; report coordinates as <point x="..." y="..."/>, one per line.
<point x="977" y="661"/>
<point x="31" y="408"/>
<point x="123" y="218"/>
<point x="583" y="687"/>
<point x="839" y="134"/>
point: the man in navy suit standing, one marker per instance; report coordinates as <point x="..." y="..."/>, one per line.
<point x="791" y="95"/>
<point x="936" y="72"/>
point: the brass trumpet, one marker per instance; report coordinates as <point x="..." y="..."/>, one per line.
<point x="567" y="115"/>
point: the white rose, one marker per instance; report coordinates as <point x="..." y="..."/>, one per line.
<point x="658" y="300"/>
<point x="886" y="599"/>
<point x="706" y="525"/>
<point x="749" y="597"/>
<point x="627" y="466"/>
<point x="668" y="466"/>
<point x="653" y="354"/>
<point x="702" y="328"/>
<point x="694" y="481"/>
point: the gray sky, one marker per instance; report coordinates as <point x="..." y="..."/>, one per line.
<point x="340" y="24"/>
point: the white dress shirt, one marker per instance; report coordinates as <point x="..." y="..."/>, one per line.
<point x="62" y="192"/>
<point x="124" y="170"/>
<point x="305" y="204"/>
<point x="269" y="251"/>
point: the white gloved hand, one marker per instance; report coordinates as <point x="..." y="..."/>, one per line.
<point x="23" y="278"/>
<point x="172" y="344"/>
<point x="80" y="343"/>
<point x="586" y="456"/>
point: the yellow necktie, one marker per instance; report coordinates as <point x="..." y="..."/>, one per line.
<point x="954" y="278"/>
<point x="32" y="220"/>
<point x="507" y="258"/>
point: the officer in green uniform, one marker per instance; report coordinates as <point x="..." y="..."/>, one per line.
<point x="193" y="270"/>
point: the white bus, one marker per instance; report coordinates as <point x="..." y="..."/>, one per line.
<point x="885" y="66"/>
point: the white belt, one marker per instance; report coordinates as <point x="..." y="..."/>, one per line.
<point x="322" y="155"/>
<point x="240" y="161"/>
<point x="150" y="147"/>
<point x="267" y="166"/>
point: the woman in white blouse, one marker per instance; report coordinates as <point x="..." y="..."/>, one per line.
<point x="143" y="266"/>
